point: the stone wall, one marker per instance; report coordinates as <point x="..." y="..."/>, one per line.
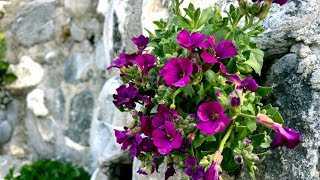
<point x="63" y="106"/>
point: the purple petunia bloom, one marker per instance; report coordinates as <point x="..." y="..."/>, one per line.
<point x="170" y="171"/>
<point x="193" y="169"/>
<point x="213" y="172"/>
<point x="225" y="49"/>
<point x="146" y="125"/>
<point x="190" y="41"/>
<point x="141" y="171"/>
<point x="177" y="71"/>
<point x="285" y="137"/>
<point x="125" y="96"/>
<point x="280" y="2"/>
<point x="167" y="139"/>
<point x="247" y="83"/>
<point x="212" y="118"/>
<point x="124" y="60"/>
<point x="235" y="101"/>
<point x="146" y="145"/>
<point x="141" y="42"/>
<point x="145" y="62"/>
<point x="163" y="115"/>
<point x="127" y="138"/>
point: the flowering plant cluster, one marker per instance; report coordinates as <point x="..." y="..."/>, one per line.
<point x="194" y="103"/>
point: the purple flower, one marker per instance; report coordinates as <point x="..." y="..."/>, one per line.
<point x="124" y="60"/>
<point x="141" y="42"/>
<point x="141" y="171"/>
<point x="213" y="172"/>
<point x="225" y="49"/>
<point x="193" y="169"/>
<point x="125" y="96"/>
<point x="280" y="2"/>
<point x="146" y="125"/>
<point x="238" y="159"/>
<point x="285" y="137"/>
<point x="247" y="83"/>
<point x="127" y="138"/>
<point x="167" y="139"/>
<point x="163" y="115"/>
<point x="235" y="101"/>
<point x="177" y="71"/>
<point x="146" y="145"/>
<point x="212" y="118"/>
<point x="247" y="142"/>
<point x="190" y="41"/>
<point x="145" y="62"/>
<point x="170" y="171"/>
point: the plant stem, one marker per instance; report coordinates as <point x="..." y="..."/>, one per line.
<point x="225" y="138"/>
<point x="247" y="115"/>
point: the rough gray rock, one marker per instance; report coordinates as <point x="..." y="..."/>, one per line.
<point x="80" y="116"/>
<point x="299" y="104"/>
<point x="78" y="68"/>
<point x="5" y="131"/>
<point x="106" y="118"/>
<point x="34" y="23"/>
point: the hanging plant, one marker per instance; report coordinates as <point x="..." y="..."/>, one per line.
<point x="194" y="102"/>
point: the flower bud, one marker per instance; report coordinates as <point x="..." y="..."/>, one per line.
<point x="264" y="11"/>
<point x="204" y="162"/>
<point x="264" y="120"/>
<point x="238" y="159"/>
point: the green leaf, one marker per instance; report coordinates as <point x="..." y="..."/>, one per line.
<point x="206" y="15"/>
<point x="167" y="49"/>
<point x="228" y="163"/>
<point x="198" y="141"/>
<point x="210" y="76"/>
<point x="196" y="15"/>
<point x="257" y="140"/>
<point x="188" y="90"/>
<point x="251" y="124"/>
<point x="232" y="66"/>
<point x="255" y="60"/>
<point x="3" y="67"/>
<point x="263" y="91"/>
<point x="210" y="138"/>
<point x="9" y="78"/>
<point x="181" y="22"/>
<point x="277" y="118"/>
<point x="154" y="110"/>
<point x="200" y="94"/>
<point x="224" y="33"/>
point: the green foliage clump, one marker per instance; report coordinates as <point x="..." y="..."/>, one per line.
<point x="47" y="169"/>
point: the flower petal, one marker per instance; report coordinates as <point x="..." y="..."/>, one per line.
<point x="225" y="49"/>
<point x="182" y="82"/>
<point x="208" y="58"/>
<point x="184" y="39"/>
<point x="160" y="139"/>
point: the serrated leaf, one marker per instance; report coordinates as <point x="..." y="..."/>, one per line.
<point x="224" y="33"/>
<point x="257" y="140"/>
<point x="188" y="90"/>
<point x="228" y="163"/>
<point x="9" y="78"/>
<point x="3" y="67"/>
<point x="206" y="15"/>
<point x="197" y="142"/>
<point x="277" y="118"/>
<point x="181" y="22"/>
<point x="263" y="91"/>
<point x="251" y="124"/>
<point x="210" y="138"/>
<point x="200" y="94"/>
<point x="255" y="60"/>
